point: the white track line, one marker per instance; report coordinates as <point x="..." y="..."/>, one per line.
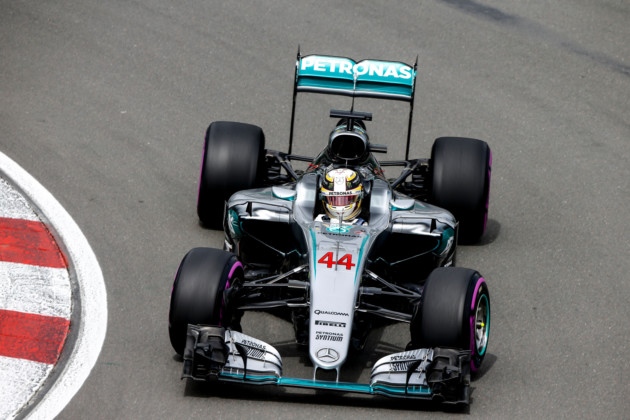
<point x="91" y="287"/>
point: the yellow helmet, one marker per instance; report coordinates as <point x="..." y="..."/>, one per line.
<point x="341" y="193"/>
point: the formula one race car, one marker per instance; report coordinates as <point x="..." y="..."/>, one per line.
<point x="338" y="249"/>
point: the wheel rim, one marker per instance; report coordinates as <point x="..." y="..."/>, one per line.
<point x="482" y="324"/>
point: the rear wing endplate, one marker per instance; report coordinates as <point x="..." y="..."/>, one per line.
<point x="333" y="75"/>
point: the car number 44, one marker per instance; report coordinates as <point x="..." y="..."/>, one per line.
<point x="329" y="260"/>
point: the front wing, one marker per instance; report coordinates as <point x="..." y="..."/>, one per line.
<point x="219" y="354"/>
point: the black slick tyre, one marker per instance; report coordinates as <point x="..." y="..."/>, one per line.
<point x="233" y="160"/>
<point x="461" y="171"/>
<point x="454" y="312"/>
<point x="197" y="296"/>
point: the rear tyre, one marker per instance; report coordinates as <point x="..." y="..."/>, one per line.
<point x="233" y="160"/>
<point x="198" y="292"/>
<point x="461" y="170"/>
<point x="454" y="312"/>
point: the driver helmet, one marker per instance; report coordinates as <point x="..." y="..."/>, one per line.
<point x="341" y="193"/>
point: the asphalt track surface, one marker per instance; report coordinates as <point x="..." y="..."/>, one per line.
<point x="106" y="103"/>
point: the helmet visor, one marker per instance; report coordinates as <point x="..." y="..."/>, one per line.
<point x="341" y="200"/>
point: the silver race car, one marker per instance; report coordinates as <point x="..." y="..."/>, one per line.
<point x="338" y="249"/>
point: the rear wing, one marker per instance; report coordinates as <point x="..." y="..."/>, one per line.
<point x="391" y="80"/>
<point x="344" y="76"/>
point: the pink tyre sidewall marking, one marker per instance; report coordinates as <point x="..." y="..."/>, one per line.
<point x="480" y="282"/>
<point x="233" y="269"/>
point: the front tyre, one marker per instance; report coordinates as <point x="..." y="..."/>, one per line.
<point x="454" y="312"/>
<point x="198" y="292"/>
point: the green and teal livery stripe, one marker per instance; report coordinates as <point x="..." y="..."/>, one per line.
<point x="410" y="391"/>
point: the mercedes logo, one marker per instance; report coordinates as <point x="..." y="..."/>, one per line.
<point x="328" y="355"/>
